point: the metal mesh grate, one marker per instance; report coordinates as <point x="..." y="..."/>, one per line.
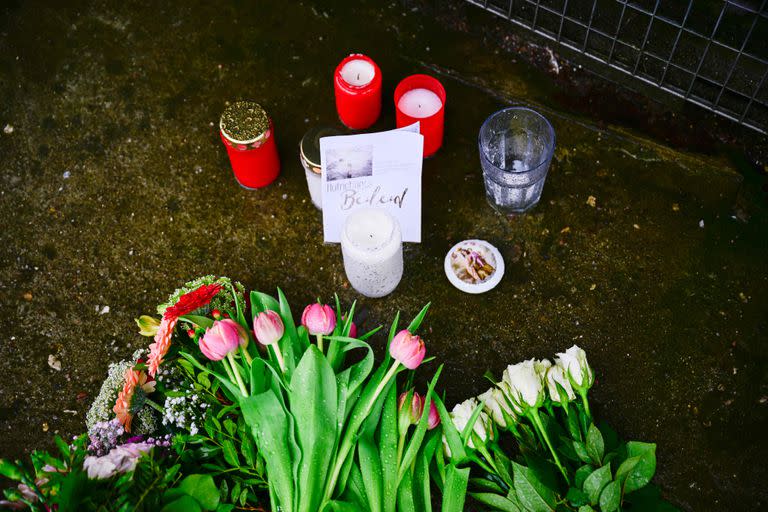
<point x="713" y="53"/>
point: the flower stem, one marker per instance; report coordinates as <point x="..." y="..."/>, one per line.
<point x="400" y="447"/>
<point x="247" y="356"/>
<point x="320" y="342"/>
<point x="279" y="356"/>
<point x="586" y="405"/>
<point x="154" y="405"/>
<point x="238" y="378"/>
<point x="537" y="422"/>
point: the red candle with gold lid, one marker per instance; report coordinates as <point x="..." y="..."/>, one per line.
<point x="249" y="136"/>
<point x="357" y="83"/>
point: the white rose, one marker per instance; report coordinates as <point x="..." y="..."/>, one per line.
<point x="496" y="404"/>
<point x="556" y="375"/>
<point x="574" y="361"/>
<point x="525" y="381"/>
<point x="461" y="414"/>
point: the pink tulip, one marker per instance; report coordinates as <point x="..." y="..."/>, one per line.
<point x="319" y="319"/>
<point x="415" y="409"/>
<point x="221" y="339"/>
<point x="268" y="327"/>
<point x="407" y="349"/>
<point x="434" y="416"/>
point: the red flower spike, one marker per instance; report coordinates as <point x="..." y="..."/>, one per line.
<point x="193" y="300"/>
<point x="216" y="314"/>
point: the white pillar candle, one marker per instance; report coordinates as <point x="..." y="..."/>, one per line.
<point x="419" y="103"/>
<point x="314" y="182"/>
<point x="358" y="72"/>
<point x="372" y="247"/>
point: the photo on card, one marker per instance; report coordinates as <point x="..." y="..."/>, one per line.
<point x="344" y="163"/>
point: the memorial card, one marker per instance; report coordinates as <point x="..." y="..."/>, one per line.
<point x="372" y="170"/>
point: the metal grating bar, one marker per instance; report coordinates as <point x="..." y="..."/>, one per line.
<point x="738" y="56"/>
<point x="712" y="49"/>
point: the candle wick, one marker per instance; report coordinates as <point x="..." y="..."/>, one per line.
<point x="358" y="76"/>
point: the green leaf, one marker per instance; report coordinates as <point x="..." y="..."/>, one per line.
<point x="185" y="503"/>
<point x="586" y="508"/>
<point x="496" y="501"/>
<point x="416" y="322"/>
<point x="595" y="445"/>
<point x="645" y="468"/>
<point x="203" y="489"/>
<point x="595" y="482"/>
<point x="577" y="497"/>
<point x="533" y="494"/>
<point x="370" y="468"/>
<point x="248" y="450"/>
<point x="230" y="453"/>
<point x="581" y="451"/>
<point x="314" y="404"/>
<point x="388" y="439"/>
<point x="201" y="321"/>
<point x="610" y="498"/>
<point x="11" y="470"/>
<point x="581" y="474"/>
<point x="455" y="489"/>
<point x="270" y="426"/>
<point x="625" y="468"/>
<point x="485" y="485"/>
<point x="405" y="502"/>
<point x="452" y="435"/>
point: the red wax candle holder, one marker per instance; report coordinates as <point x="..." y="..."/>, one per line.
<point x="431" y="125"/>
<point x="249" y="136"/>
<point x="358" y="101"/>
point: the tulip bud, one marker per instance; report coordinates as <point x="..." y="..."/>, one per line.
<point x="221" y="339"/>
<point x="410" y="406"/>
<point x="216" y="314"/>
<point x="268" y="327"/>
<point x="319" y="319"/>
<point x="191" y="333"/>
<point x="434" y="416"/>
<point x="408" y="349"/>
<point x="148" y="326"/>
<point x="352" y="327"/>
<point x="575" y="364"/>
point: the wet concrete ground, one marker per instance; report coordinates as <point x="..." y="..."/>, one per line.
<point x="115" y="189"/>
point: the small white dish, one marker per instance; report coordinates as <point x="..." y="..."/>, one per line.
<point x="474" y="266"/>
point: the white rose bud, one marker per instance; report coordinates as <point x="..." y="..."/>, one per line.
<point x="574" y="361"/>
<point x="525" y="382"/>
<point x="556" y="375"/>
<point x="496" y="404"/>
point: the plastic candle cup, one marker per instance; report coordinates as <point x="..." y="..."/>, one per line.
<point x="357" y="83"/>
<point x="249" y="136"/>
<point x="309" y="152"/>
<point x="516" y="146"/>
<point x="372" y="247"/>
<point x="422" y="98"/>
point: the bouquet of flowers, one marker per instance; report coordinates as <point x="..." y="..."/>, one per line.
<point x="235" y="405"/>
<point x="535" y="446"/>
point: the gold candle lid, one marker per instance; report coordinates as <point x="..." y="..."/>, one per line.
<point x="244" y="123"/>
<point x="309" y="147"/>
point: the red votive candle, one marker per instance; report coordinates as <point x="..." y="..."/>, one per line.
<point x="249" y="136"/>
<point x="357" y="82"/>
<point x="422" y="98"/>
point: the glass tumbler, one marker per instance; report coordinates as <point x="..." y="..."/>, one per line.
<point x="516" y="146"/>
